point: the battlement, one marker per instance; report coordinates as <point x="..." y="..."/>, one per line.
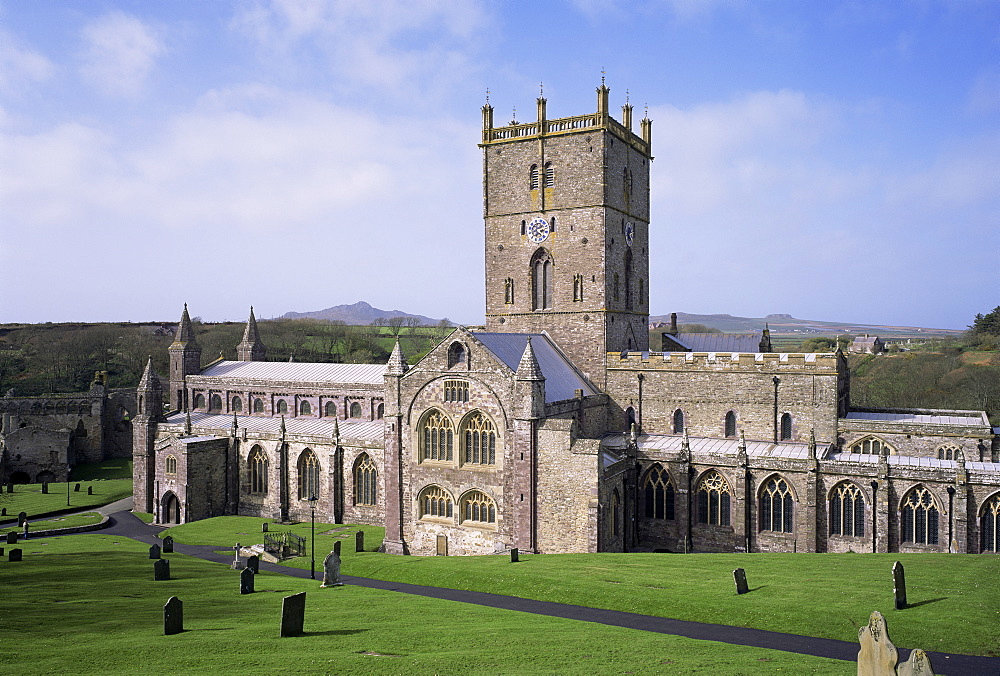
<point x="746" y="361"/>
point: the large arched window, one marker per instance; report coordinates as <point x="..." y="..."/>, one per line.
<point x="282" y="407"/>
<point x="918" y="517"/>
<point x="678" y="422"/>
<point x="730" y="424"/>
<point x="786" y="426"/>
<point x="989" y="526"/>
<point x="365" y="481"/>
<point x="435" y="502"/>
<point x="847" y="510"/>
<point x="713" y="499"/>
<point x="437" y="437"/>
<point x="477" y="508"/>
<point x="257" y="463"/>
<point x="628" y="279"/>
<point x="237" y="405"/>
<point x="659" y="491"/>
<point x="776" y="506"/>
<point x="541" y="280"/>
<point x="308" y="475"/>
<point x="479" y="440"/>
<point x="305" y="408"/>
<point x="871" y="446"/>
<point x="170" y="464"/>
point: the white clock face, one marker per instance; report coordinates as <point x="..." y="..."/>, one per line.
<point x="538" y="230"/>
<point x="629" y="233"/>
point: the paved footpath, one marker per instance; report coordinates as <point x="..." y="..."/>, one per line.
<point x="126" y="524"/>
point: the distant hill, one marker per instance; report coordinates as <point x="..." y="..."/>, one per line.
<point x="359" y="314"/>
<point x="784" y="323"/>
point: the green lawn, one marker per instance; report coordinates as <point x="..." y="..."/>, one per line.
<point x="955" y="598"/>
<point x="68" y="521"/>
<point x="118" y="468"/>
<point x="29" y="498"/>
<point x="87" y="604"/>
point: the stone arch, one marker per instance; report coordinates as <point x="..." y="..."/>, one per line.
<point x="435" y="502"/>
<point x="458" y="354"/>
<point x="479" y="507"/>
<point x="170" y="508"/>
<point x="542" y="268"/>
<point x="871" y="445"/>
<point x="20" y="478"/>
<point x="44" y="477"/>
<point x="845" y="515"/>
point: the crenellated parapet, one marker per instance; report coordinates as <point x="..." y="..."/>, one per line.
<point x="818" y="362"/>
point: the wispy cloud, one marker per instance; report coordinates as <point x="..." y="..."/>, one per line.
<point x="20" y="65"/>
<point x="119" y="52"/>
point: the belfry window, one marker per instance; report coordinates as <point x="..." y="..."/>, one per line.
<point x="786" y="426"/>
<point x="456" y="355"/>
<point x="550" y="175"/>
<point x="541" y="280"/>
<point x="659" y="492"/>
<point x="713" y="500"/>
<point x="533" y="177"/>
<point x="919" y="517"/>
<point x="678" y="422"/>
<point x="776" y="506"/>
<point x="730" y="425"/>
<point x="577" y="288"/>
<point x="508" y="291"/>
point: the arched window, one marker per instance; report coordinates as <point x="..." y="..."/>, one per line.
<point x="678" y="422"/>
<point x="437" y="437"/>
<point x="258" y="405"/>
<point x="508" y="291"/>
<point x="170" y="465"/>
<point x="730" y="425"/>
<point x="282" y="407"/>
<point x="330" y="409"/>
<point x="713" y="499"/>
<point x="659" y="492"/>
<point x="533" y="177"/>
<point x="215" y="403"/>
<point x="541" y="280"/>
<point x="308" y="475"/>
<point x="786" y="426"/>
<point x="355" y="409"/>
<point x="478" y="508"/>
<point x="199" y="401"/>
<point x="480" y="440"/>
<point x="456" y="354"/>
<point x="257" y="463"/>
<point x="629" y="417"/>
<point x="237" y="405"/>
<point x="365" y="481"/>
<point x="989" y="526"/>
<point x="379" y="411"/>
<point x="948" y="452"/>
<point x="435" y="502"/>
<point x="616" y="511"/>
<point x="847" y="510"/>
<point x="776" y="512"/>
<point x="919" y="517"/>
<point x="550" y="175"/>
<point x="628" y="279"/>
<point x="305" y="408"/>
<point x="871" y="446"/>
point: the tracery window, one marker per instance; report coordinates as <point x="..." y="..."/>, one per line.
<point x="480" y="440"/>
<point x="436" y="502"/>
<point x="847" y="510"/>
<point x="786" y="426"/>
<point x="308" y="475"/>
<point x="871" y="446"/>
<point x="199" y="401"/>
<point x="989" y="526"/>
<point x="919" y="517"/>
<point x="479" y="508"/>
<point x="170" y="465"/>
<point x="258" y="405"/>
<point x="282" y="407"/>
<point x="437" y="437"/>
<point x="776" y="506"/>
<point x="237" y="405"/>
<point x="305" y="408"/>
<point x="713" y="499"/>
<point x="355" y="409"/>
<point x="541" y="280"/>
<point x="533" y="177"/>
<point x="659" y="492"/>
<point x="257" y="462"/>
<point x="678" y="422"/>
<point x="730" y="424"/>
<point x="365" y="481"/>
<point x="949" y="452"/>
<point x="456" y="390"/>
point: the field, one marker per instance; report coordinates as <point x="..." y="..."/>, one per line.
<point x="111" y="480"/>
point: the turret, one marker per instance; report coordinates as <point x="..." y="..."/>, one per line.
<point x="149" y="410"/>
<point x="149" y="394"/>
<point x="185" y="360"/>
<point x="251" y="348"/>
<point x="530" y="385"/>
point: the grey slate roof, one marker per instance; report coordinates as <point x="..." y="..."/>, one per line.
<point x="315" y="427"/>
<point x="293" y="372"/>
<point x="714" y="446"/>
<point x="923" y="416"/>
<point x="719" y="342"/>
<point x="913" y="461"/>
<point x="561" y="378"/>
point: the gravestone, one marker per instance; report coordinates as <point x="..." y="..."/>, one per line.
<point x="263" y="527"/>
<point x="359" y="541"/>
<point x="161" y="570"/>
<point x="740" y="577"/>
<point x="3" y="512"/>
<point x="246" y="581"/>
<point x="173" y="616"/>
<point x="168" y="545"/>
<point x="12" y="537"/>
<point x="154" y="552"/>
<point x="513" y="555"/>
<point x="15" y="555"/>
<point x="90" y="490"/>
<point x="878" y="656"/>
<point x="10" y="488"/>
<point x="336" y="547"/>
<point x="331" y="569"/>
<point x="45" y="488"/>
<point x="21" y="518"/>
<point x="1" y="551"/>
<point x="899" y="585"/>
<point x="237" y="561"/>
<point x="76" y="488"/>
<point x="293" y="614"/>
<point x="253" y="563"/>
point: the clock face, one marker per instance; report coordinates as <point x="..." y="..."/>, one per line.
<point x="538" y="230"/>
<point x="629" y="233"/>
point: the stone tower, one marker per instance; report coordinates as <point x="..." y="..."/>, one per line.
<point x="185" y="360"/>
<point x="149" y="411"/>
<point x="566" y="206"/>
<point x="251" y="348"/>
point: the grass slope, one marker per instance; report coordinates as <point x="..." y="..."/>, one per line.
<point x="29" y="497"/>
<point x="68" y="521"/>
<point x="87" y="604"/>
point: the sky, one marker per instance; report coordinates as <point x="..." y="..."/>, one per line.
<point x="836" y="161"/>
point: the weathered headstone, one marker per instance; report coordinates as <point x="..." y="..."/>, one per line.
<point x="173" y="616"/>
<point x="45" y="488"/>
<point x="237" y="561"/>
<point x="293" y="614"/>
<point x="336" y="547"/>
<point x="21" y="518"/>
<point x="263" y="527"/>
<point x="1" y="551"/>
<point x="3" y="512"/>
<point x="331" y="569"/>
<point x="246" y="581"/>
<point x="513" y="555"/>
<point x="878" y="656"/>
<point x="12" y="537"/>
<point x="90" y="490"/>
<point x="154" y="552"/>
<point x="918" y="665"/>
<point x="359" y="541"/>
<point x="253" y="563"/>
<point x="899" y="585"/>
<point x="168" y="545"/>
<point x="15" y="555"/>
<point x="76" y="488"/>
<point x="161" y="570"/>
<point x="740" y="577"/>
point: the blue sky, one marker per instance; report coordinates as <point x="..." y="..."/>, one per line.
<point x="831" y="160"/>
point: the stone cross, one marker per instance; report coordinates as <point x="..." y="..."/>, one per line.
<point x="15" y="555"/>
<point x="154" y="552"/>
<point x="331" y="569"/>
<point x="173" y="616"/>
<point x="740" y="577"/>
<point x="161" y="570"/>
<point x="899" y="585"/>
<point x="293" y="614"/>
<point x="513" y="555"/>
<point x="359" y="541"/>
<point x="253" y="563"/>
<point x="168" y="545"/>
<point x="237" y="563"/>
<point x="246" y="581"/>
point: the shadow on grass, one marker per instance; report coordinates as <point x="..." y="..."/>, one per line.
<point x="335" y="632"/>
<point x="924" y="603"/>
<point x="756" y="588"/>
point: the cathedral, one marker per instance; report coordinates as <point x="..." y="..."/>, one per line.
<point x="554" y="428"/>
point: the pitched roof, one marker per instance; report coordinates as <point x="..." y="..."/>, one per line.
<point x="923" y="416"/>
<point x="298" y="372"/>
<point x="561" y="377"/>
<point x="316" y="427"/>
<point x="714" y="446"/>
<point x="719" y="342"/>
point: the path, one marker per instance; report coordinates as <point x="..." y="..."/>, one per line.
<point x="127" y="525"/>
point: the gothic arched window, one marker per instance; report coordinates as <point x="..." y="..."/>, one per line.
<point x="713" y="499"/>
<point x="659" y="492"/>
<point x="989" y="526"/>
<point x="308" y="475"/>
<point x="730" y="425"/>
<point x="550" y="175"/>
<point x="479" y="440"/>
<point x="478" y="508"/>
<point x="365" y="481"/>
<point x="919" y="517"/>
<point x="678" y="422"/>
<point x="434" y="501"/>
<point x="171" y="464"/>
<point x="786" y="426"/>
<point x="257" y="463"/>
<point x="847" y="510"/>
<point x="437" y="437"/>
<point x="948" y="452"/>
<point x="541" y="280"/>
<point x="871" y="446"/>
<point x="776" y="506"/>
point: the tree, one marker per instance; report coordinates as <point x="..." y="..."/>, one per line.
<point x="988" y="324"/>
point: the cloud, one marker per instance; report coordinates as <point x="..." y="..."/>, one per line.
<point x="119" y="53"/>
<point x="20" y="65"/>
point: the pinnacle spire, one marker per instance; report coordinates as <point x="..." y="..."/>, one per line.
<point x="396" y="365"/>
<point x="529" y="369"/>
<point x="251" y="348"/>
<point x="149" y="379"/>
<point x="185" y="332"/>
